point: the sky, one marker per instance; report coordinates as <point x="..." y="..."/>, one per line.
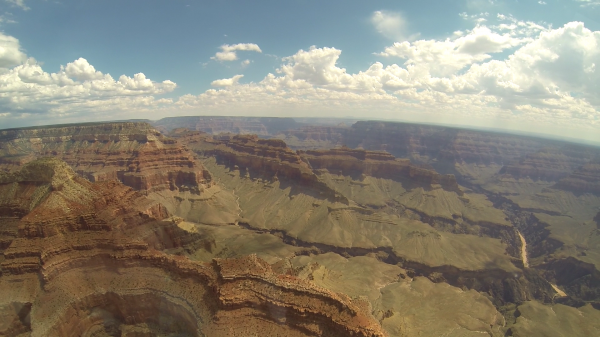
<point x="525" y="66"/>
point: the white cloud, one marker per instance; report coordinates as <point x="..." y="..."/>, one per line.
<point x="226" y="82"/>
<point x="77" y="89"/>
<point x="389" y="24"/>
<point x="550" y="78"/>
<point x="453" y="54"/>
<point x="18" y="3"/>
<point x="228" y="52"/>
<point x="245" y="63"/>
<point x="80" y="69"/>
<point x="588" y="3"/>
<point x="10" y="51"/>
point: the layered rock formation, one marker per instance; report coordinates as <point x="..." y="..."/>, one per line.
<point x="263" y="126"/>
<point x="377" y="164"/>
<point x="585" y="179"/>
<point x="268" y="158"/>
<point x="87" y="261"/>
<point x="134" y="153"/>
<point x="550" y="164"/>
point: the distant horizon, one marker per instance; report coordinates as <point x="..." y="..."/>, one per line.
<point x="451" y="126"/>
<point x="527" y="66"/>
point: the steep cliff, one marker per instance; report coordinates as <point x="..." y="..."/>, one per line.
<point x="87" y="260"/>
<point x="263" y="126"/>
<point x="134" y="153"/>
<point x="550" y="164"/>
<point x="585" y="179"/>
<point x="378" y="164"/>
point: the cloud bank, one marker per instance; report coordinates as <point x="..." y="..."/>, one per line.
<point x="545" y="78"/>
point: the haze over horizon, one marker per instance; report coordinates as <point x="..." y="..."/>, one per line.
<point x="527" y="66"/>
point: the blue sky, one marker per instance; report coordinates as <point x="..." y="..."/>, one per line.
<point x="520" y="65"/>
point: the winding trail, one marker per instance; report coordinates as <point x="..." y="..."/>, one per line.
<point x="559" y="292"/>
<point x="523" y="250"/>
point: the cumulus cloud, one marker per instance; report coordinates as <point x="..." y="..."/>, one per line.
<point x="226" y="82"/>
<point x="389" y="24"/>
<point x="77" y="88"/>
<point x="228" y="52"/>
<point x="80" y="69"/>
<point x="550" y="77"/>
<point x="448" y="56"/>
<point x="10" y="51"/>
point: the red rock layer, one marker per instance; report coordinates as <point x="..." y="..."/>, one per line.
<point x="92" y="248"/>
<point x="267" y="157"/>
<point x="134" y="153"/>
<point x="377" y="164"/>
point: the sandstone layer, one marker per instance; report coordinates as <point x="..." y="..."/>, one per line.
<point x="378" y="164"/>
<point x="134" y="153"/>
<point x="88" y="260"/>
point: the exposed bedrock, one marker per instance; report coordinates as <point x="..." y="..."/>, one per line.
<point x="267" y="158"/>
<point x="550" y="164"/>
<point x="378" y="164"/>
<point x="87" y="261"/>
<point x="263" y="126"/>
<point x="500" y="285"/>
<point x="580" y="280"/>
<point x="134" y="153"/>
<point x="585" y="179"/>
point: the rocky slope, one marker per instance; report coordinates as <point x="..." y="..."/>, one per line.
<point x="379" y="164"/>
<point x="134" y="153"/>
<point x="550" y="164"/>
<point x="585" y="179"/>
<point x="88" y="261"/>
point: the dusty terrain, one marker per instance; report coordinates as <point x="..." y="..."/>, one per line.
<point x="266" y="226"/>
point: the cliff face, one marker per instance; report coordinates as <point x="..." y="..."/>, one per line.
<point x="585" y="179"/>
<point x="87" y="260"/>
<point x="263" y="126"/>
<point x="455" y="145"/>
<point x="268" y="158"/>
<point x="377" y="164"/>
<point x="550" y="164"/>
<point x="134" y="153"/>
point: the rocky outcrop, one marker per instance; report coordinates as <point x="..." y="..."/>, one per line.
<point x="378" y="164"/>
<point x="269" y="158"/>
<point x="313" y="137"/>
<point x="263" y="126"/>
<point x="443" y="143"/>
<point x="549" y="164"/>
<point x="585" y="179"/>
<point x="87" y="261"/>
<point x="134" y="153"/>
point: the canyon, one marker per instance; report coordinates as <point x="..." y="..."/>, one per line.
<point x="239" y="226"/>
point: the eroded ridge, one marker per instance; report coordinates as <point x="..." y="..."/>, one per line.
<point x="91" y="259"/>
<point x="134" y="153"/>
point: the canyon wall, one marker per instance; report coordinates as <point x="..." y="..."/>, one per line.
<point x="88" y="260"/>
<point x="134" y="153"/>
